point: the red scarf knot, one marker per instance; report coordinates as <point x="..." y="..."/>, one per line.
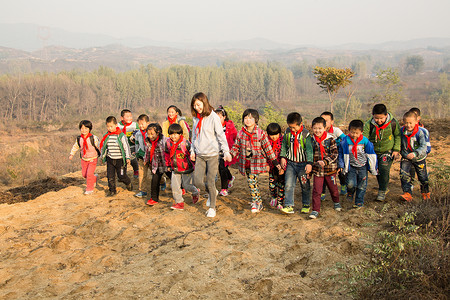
<point x="320" y="140"/>
<point x="174" y="147"/>
<point x="124" y="129"/>
<point x="296" y="143"/>
<point x="381" y="128"/>
<point x="198" y="128"/>
<point x="152" y="150"/>
<point x="108" y="134"/>
<point x="85" y="146"/>
<point x="331" y="130"/>
<point x="172" y="120"/>
<point x="250" y="135"/>
<point x="143" y="132"/>
<point x="408" y="137"/>
<point x="355" y="145"/>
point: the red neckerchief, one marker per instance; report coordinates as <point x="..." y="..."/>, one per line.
<point x="250" y="134"/>
<point x="171" y="121"/>
<point x="152" y="151"/>
<point x="174" y="147"/>
<point x="331" y="130"/>
<point x="296" y="144"/>
<point x="108" y="134"/>
<point x="381" y="128"/>
<point x="355" y="145"/>
<point x="320" y="140"/>
<point x="415" y="130"/>
<point x="124" y="129"/>
<point x="85" y="146"/>
<point x="275" y="144"/>
<point x="143" y="133"/>
<point x="199" y="124"/>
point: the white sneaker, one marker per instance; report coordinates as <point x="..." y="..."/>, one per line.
<point x="208" y="202"/>
<point x="211" y="213"/>
<point x="88" y="192"/>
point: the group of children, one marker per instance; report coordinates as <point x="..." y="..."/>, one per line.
<point x="192" y="158"/>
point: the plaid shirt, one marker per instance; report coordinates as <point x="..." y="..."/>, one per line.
<point x="260" y="151"/>
<point x="158" y="162"/>
<point x="329" y="158"/>
<point x="276" y="151"/>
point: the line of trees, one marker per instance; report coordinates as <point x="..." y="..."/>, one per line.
<point x="54" y="96"/>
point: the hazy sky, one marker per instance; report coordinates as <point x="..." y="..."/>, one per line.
<point x="318" y="22"/>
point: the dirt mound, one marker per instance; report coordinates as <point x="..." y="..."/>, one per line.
<point x="37" y="188"/>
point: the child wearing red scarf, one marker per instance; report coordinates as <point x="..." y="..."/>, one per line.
<point x="324" y="167"/>
<point x="383" y="131"/>
<point x="276" y="180"/>
<point x="178" y="162"/>
<point x="226" y="179"/>
<point x="154" y="159"/>
<point x="128" y="127"/>
<point x="88" y="145"/>
<point x="138" y="138"/>
<point x="116" y="153"/>
<point x="253" y="148"/>
<point x="356" y="158"/>
<point x="174" y="116"/>
<point x="414" y="150"/>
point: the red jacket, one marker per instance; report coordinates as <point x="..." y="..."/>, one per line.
<point x="230" y="134"/>
<point x="180" y="162"/>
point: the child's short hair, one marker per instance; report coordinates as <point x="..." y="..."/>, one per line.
<point x="379" y="109"/>
<point x="175" y="128"/>
<point x="222" y="111"/>
<point x="176" y="109"/>
<point x="294" y="118"/>
<point x="319" y="120"/>
<point x="207" y="108"/>
<point x="356" y="124"/>
<point x="273" y="129"/>
<point x="327" y="113"/>
<point x="410" y="114"/>
<point x="111" y="119"/>
<point x="415" y="110"/>
<point x="252" y="112"/>
<point x="124" y="111"/>
<point x="156" y="127"/>
<point x="143" y="117"/>
<point x="85" y="123"/>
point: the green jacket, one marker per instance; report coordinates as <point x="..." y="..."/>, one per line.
<point x="120" y="139"/>
<point x="390" y="137"/>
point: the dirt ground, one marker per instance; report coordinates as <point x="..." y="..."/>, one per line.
<point x="66" y="245"/>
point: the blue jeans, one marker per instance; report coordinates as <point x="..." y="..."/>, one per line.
<point x="296" y="170"/>
<point x="357" y="181"/>
<point x="422" y="175"/>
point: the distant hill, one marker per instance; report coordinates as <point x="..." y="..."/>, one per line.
<point x="32" y="37"/>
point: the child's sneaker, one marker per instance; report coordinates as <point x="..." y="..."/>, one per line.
<point x="273" y="202"/>
<point x="151" y="202"/>
<point x="426" y="196"/>
<point x="88" y="192"/>
<point x="254" y="207"/>
<point x="178" y="206"/>
<point x="322" y="197"/>
<point x="314" y="214"/>
<point x="130" y="187"/>
<point x="110" y="194"/>
<point x="230" y="182"/>
<point x="337" y="207"/>
<point x="279" y="207"/>
<point x="406" y="196"/>
<point x="195" y="198"/>
<point x="223" y="192"/>
<point x="381" y="196"/>
<point x="357" y="206"/>
<point x="140" y="194"/>
<point x="343" y="190"/>
<point x="305" y="208"/>
<point x="287" y="210"/>
<point x="211" y="213"/>
<point x="183" y="192"/>
<point x="136" y="174"/>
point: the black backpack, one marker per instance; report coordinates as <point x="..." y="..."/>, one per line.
<point x="91" y="138"/>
